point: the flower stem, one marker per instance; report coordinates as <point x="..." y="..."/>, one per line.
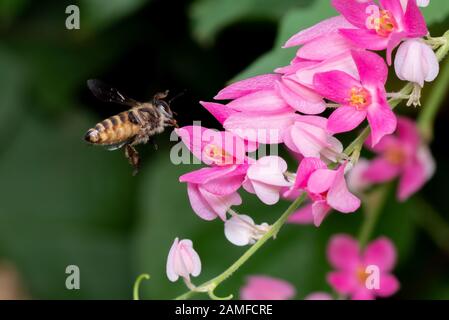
<point x="374" y="204"/>
<point x="210" y="285"/>
<point x="137" y="285"/>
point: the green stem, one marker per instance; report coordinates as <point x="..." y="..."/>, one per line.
<point x="210" y="285"/>
<point x="374" y="204"/>
<point x="427" y="117"/>
<point x="137" y="285"/>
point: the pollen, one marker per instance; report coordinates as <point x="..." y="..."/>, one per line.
<point x="362" y="275"/>
<point x="359" y="98"/>
<point x="385" y="24"/>
<point x="217" y="155"/>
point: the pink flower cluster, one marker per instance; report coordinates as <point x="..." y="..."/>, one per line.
<point x="335" y="67"/>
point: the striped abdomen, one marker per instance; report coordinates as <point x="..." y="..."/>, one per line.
<point x="114" y="130"/>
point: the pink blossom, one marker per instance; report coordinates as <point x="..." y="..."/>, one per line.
<point x="242" y="231"/>
<point x="266" y="178"/>
<point x="405" y="156"/>
<point x="213" y="191"/>
<point x="309" y="137"/>
<point x="326" y="188"/>
<point x="381" y="27"/>
<point x="353" y="267"/>
<point x="182" y="261"/>
<point x="319" y="296"/>
<point x="359" y="99"/>
<point x="266" y="288"/>
<point x="416" y="62"/>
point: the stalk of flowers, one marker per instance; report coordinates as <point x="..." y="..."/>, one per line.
<point x="283" y="107"/>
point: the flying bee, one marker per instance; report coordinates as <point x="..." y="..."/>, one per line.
<point x="132" y="127"/>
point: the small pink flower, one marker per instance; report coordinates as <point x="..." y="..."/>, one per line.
<point x="241" y="230"/>
<point x="381" y="27"/>
<point x="402" y="155"/>
<point x="416" y="62"/>
<point x="266" y="288"/>
<point x="359" y="99"/>
<point x="266" y="178"/>
<point x="353" y="267"/>
<point x="319" y="296"/>
<point x="213" y="191"/>
<point x="326" y="188"/>
<point x="182" y="261"/>
<point x="309" y="137"/>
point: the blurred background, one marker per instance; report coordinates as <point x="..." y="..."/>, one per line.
<point x="64" y="203"/>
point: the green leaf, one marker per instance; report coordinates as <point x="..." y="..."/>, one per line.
<point x="292" y="22"/>
<point x="209" y="17"/>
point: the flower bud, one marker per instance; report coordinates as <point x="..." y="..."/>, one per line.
<point x="241" y="230"/>
<point x="183" y="261"/>
<point x="416" y="62"/>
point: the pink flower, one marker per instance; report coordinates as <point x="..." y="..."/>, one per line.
<point x="321" y="41"/>
<point x="266" y="178"/>
<point x="355" y="269"/>
<point x="309" y="137"/>
<point x="359" y="99"/>
<point x="319" y="296"/>
<point x="381" y="27"/>
<point x="182" y="261"/>
<point x="266" y="288"/>
<point x="416" y="62"/>
<point x="213" y="191"/>
<point x="326" y="188"/>
<point x="402" y="155"/>
<point x="242" y="231"/>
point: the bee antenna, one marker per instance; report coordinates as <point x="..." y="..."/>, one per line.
<point x="177" y="96"/>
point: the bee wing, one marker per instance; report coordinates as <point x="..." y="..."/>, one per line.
<point x="105" y="93"/>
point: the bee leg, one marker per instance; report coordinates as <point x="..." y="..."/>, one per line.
<point x="161" y="95"/>
<point x="133" y="157"/>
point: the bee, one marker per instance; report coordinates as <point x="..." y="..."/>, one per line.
<point x="132" y="127"/>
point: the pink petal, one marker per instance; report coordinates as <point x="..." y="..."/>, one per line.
<point x="170" y="268"/>
<point x="413" y="178"/>
<point x="394" y="6"/>
<point x="260" y="128"/>
<point x="342" y="62"/>
<point x="264" y="101"/>
<point x="205" y="175"/>
<point x="335" y="85"/>
<point x="219" y="111"/>
<point x="220" y="204"/>
<point x="247" y="86"/>
<point x="365" y="39"/>
<point x="393" y="42"/>
<point x="199" y="205"/>
<point x="408" y="133"/>
<point x="363" y="294"/>
<point x="305" y="169"/>
<point x="189" y="257"/>
<point x="414" y="21"/>
<point x="343" y="282"/>
<point x="343" y="253"/>
<point x="372" y="68"/>
<point x="302" y="216"/>
<point x="321" y="180"/>
<point x="325" y="47"/>
<point x="269" y="170"/>
<point x="345" y="119"/>
<point x="339" y="196"/>
<point x="320" y="29"/>
<point x="320" y="210"/>
<point x="381" y="253"/>
<point x="267" y="193"/>
<point x="382" y="121"/>
<point x="353" y="11"/>
<point x="300" y="98"/>
<point x="380" y="170"/>
<point x="388" y="285"/>
<point x="267" y="288"/>
<point x="227" y="184"/>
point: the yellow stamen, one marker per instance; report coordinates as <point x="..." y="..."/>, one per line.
<point x="359" y="98"/>
<point x="217" y="155"/>
<point x="385" y="24"/>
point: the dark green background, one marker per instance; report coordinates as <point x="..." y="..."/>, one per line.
<point x="63" y="202"/>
